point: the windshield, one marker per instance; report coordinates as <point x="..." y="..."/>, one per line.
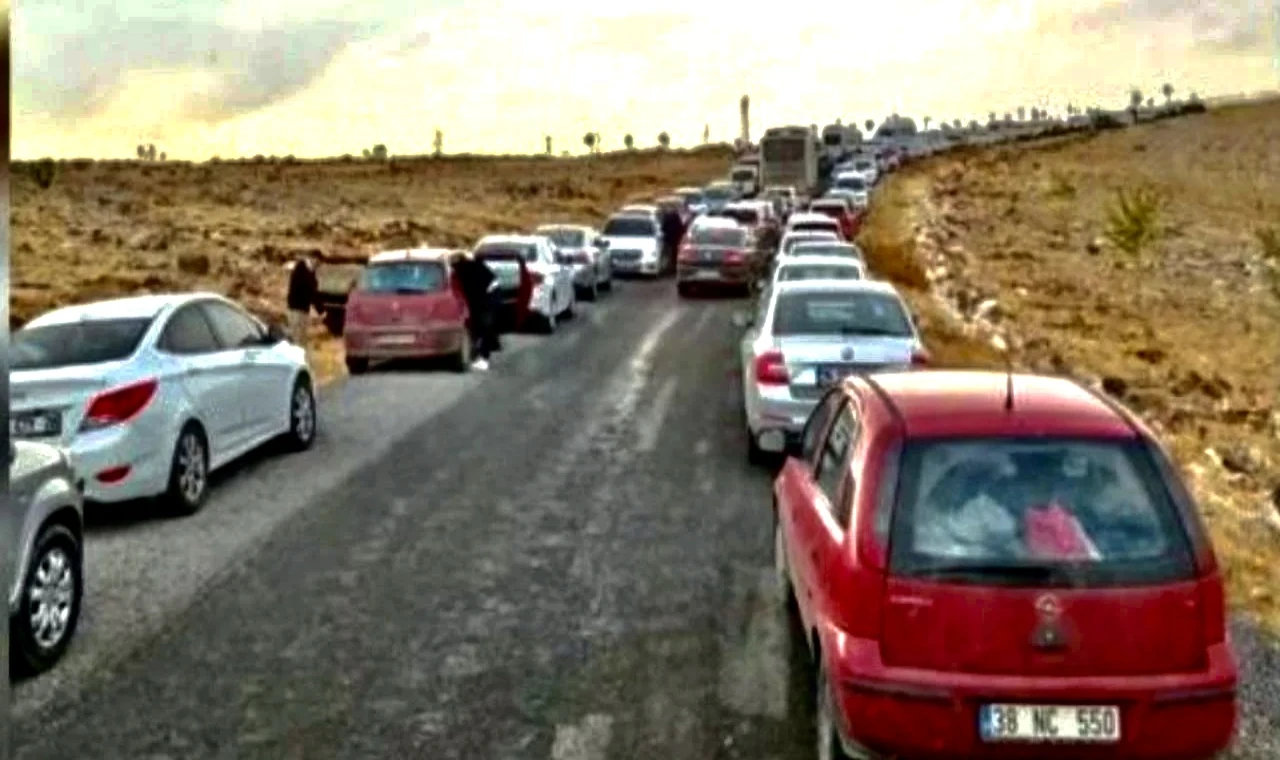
<point x="857" y="184"/>
<point x="526" y="251"/>
<point x="790" y="149"/>
<point x="630" y="226"/>
<point x="830" y="209"/>
<point x="792" y="241"/>
<point x="832" y="138"/>
<point x="565" y="237"/>
<point x="718" y="193"/>
<point x="840" y="313"/>
<point x="815" y="226"/>
<point x="743" y="175"/>
<point x="713" y="236"/>
<point x="1095" y="510"/>
<point x="819" y="272"/>
<point x="747" y="216"/>
<point x="402" y="277"/>
<point x="76" y="343"/>
<point x="862" y="166"/>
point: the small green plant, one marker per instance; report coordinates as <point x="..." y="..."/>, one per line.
<point x="43" y="172"/>
<point x="1133" y="220"/>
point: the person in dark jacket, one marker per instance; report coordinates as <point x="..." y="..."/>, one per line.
<point x="476" y="279"/>
<point x="301" y="298"/>
<point x="672" y="232"/>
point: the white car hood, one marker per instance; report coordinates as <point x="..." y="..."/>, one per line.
<point x="632" y="243"/>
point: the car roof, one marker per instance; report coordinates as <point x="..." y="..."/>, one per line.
<point x="932" y="403"/>
<point x="639" y="207"/>
<point x="131" y="307"/>
<point x="879" y="287"/>
<point x="563" y="226"/>
<point x="823" y="259"/>
<point x="745" y="205"/>
<point x="412" y="254"/>
<point x="687" y="190"/>
<point x="806" y="216"/>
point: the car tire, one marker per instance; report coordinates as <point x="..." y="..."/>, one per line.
<point x="548" y="324"/>
<point x="188" y="472"/>
<point x="302" y="415"/>
<point x="826" y="736"/>
<point x="591" y="293"/>
<point x="684" y="290"/>
<point x="461" y="360"/>
<point x="756" y="456"/>
<point x="357" y="365"/>
<point x="607" y="284"/>
<point x="55" y="569"/>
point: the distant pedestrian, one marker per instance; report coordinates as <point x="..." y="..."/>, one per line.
<point x="303" y="288"/>
<point x="476" y="281"/>
<point x="672" y="232"/>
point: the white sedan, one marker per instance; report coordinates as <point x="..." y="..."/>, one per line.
<point x="554" y="296"/>
<point x="150" y="394"/>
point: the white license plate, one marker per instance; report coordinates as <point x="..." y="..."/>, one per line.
<point x="397" y="340"/>
<point x="703" y="274"/>
<point x="1049" y="723"/>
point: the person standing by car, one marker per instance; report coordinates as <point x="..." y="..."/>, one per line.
<point x="476" y="279"/>
<point x="301" y="298"/>
<point x="672" y="232"/>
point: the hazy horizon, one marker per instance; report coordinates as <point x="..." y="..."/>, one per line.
<point x="328" y="77"/>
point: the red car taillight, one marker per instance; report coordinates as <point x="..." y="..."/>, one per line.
<point x="771" y="369"/>
<point x="686" y="253"/>
<point x="734" y="257"/>
<point x="118" y="405"/>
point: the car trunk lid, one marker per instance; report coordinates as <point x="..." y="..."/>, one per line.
<point x="814" y="362"/>
<point x="48" y="404"/>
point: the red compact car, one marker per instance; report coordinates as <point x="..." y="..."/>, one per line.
<point x="406" y="304"/>
<point x="1000" y="566"/>
<point x="838" y="210"/>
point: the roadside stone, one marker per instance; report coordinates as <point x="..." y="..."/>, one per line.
<point x="1094" y="247"/>
<point x="1115" y="386"/>
<point x="194" y="263"/>
<point x="1243" y="460"/>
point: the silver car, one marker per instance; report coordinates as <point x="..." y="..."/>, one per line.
<point x="47" y="496"/>
<point x="808" y="335"/>
<point x="583" y="250"/>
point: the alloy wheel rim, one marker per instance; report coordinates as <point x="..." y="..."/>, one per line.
<point x="191" y="467"/>
<point x="304" y="414"/>
<point x="52" y="594"/>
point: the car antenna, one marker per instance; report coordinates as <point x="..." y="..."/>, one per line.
<point x="1000" y="344"/>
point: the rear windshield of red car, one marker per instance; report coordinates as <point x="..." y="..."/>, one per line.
<point x="1036" y="512"/>
<point x="718" y="236"/>
<point x="491" y="252"/>
<point x="403" y="277"/>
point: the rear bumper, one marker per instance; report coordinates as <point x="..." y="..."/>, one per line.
<point x="145" y="447"/>
<point x="404" y="344"/>
<point x="934" y="715"/>
<point x="774" y="408"/>
<point x="699" y="276"/>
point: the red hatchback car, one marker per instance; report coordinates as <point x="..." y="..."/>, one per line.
<point x="406" y="304"/>
<point x="1000" y="566"/>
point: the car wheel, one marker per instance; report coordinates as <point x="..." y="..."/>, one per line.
<point x="591" y="293"/>
<point x="189" y="472"/>
<point x="357" y="365"/>
<point x="607" y="284"/>
<point x="828" y="739"/>
<point x="570" y="308"/>
<point x="302" y="416"/>
<point x="756" y="456"/>
<point x="49" y="607"/>
<point x="462" y="357"/>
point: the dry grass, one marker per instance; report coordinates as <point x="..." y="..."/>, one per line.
<point x="107" y="229"/>
<point x="1185" y="329"/>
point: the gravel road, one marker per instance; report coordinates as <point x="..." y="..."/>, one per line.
<point x="565" y="558"/>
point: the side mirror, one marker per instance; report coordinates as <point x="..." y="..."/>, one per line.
<point x="276" y="334"/>
<point x="602" y="243"/>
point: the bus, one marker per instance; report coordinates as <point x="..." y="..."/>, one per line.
<point x="789" y="157"/>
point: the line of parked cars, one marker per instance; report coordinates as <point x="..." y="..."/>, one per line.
<point x="980" y="564"/>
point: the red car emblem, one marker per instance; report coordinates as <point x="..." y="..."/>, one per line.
<point x="1049" y="607"/>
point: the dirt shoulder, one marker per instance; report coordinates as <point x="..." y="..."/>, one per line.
<point x="1186" y="332"/>
<point x="114" y="228"/>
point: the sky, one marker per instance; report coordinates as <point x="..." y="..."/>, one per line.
<point x="199" y="78"/>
